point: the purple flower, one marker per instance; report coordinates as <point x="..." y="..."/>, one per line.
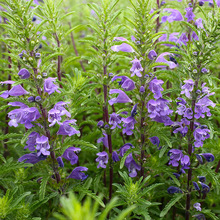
<point x="198" y="23"/>
<point x="200" y="135"/>
<point x="123" y="47"/>
<point x="161" y="59"/>
<point x="183" y="39"/>
<point x="31" y="99"/>
<point x="128" y="125"/>
<point x="104" y="140"/>
<point x="126" y="83"/>
<point x="124" y="148"/>
<point x="78" y="174"/>
<point x="202" y="179"/>
<point x="122" y="97"/>
<point x="182" y="101"/>
<point x="42" y="145"/>
<point x="174" y="16"/>
<point x="152" y="55"/>
<point x="24" y="115"/>
<point x="197" y="206"/>
<point x="188" y="113"/>
<point x="199" y="217"/>
<point x="60" y="161"/>
<point x="155" y="87"/>
<point x="119" y="39"/>
<point x="205" y="188"/>
<point x="194" y="36"/>
<point x="115" y="120"/>
<point x="189" y="14"/>
<point x="132" y="166"/>
<point x="155" y="141"/>
<point x="185" y="162"/>
<point x="100" y="124"/>
<point x="31" y="142"/>
<point x="54" y="115"/>
<point x="70" y="154"/>
<point x="102" y="159"/>
<point x="187" y="88"/>
<point x="49" y="85"/>
<point x="136" y="67"/>
<point x="196" y="186"/>
<point x="32" y="158"/>
<point x="159" y="111"/>
<point x="199" y="158"/>
<point x="24" y="74"/>
<point x="115" y="156"/>
<point x="67" y="129"/>
<point x="208" y="156"/>
<point x="142" y="89"/>
<point x="14" y="91"/>
<point x="173" y="189"/>
<point x="183" y="129"/>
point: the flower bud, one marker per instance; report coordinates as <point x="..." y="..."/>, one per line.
<point x="100" y="124"/>
<point x="31" y="99"/>
<point x="38" y="99"/>
<point x="60" y="161"/>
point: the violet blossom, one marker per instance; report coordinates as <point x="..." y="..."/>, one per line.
<point x="102" y="159"/>
<point x="125" y="148"/>
<point x="60" y="161"/>
<point x="70" y="154"/>
<point x="42" y="145"/>
<point x="49" y="85"/>
<point x="136" y="68"/>
<point x="104" y="140"/>
<point x="115" y="120"/>
<point x="197" y="206"/>
<point x="200" y="135"/>
<point x="152" y="55"/>
<point x="31" y="142"/>
<point x="208" y="157"/>
<point x="155" y="87"/>
<point x="126" y="83"/>
<point x="174" y="16"/>
<point x="161" y="59"/>
<point x="123" y="47"/>
<point x="189" y="14"/>
<point x="187" y="88"/>
<point x="122" y="97"/>
<point x="67" y="129"/>
<point x="173" y="189"/>
<point x="32" y="158"/>
<point x="132" y="165"/>
<point x="78" y="174"/>
<point x="24" y="74"/>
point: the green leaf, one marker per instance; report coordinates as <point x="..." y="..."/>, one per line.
<point x="43" y="186"/>
<point x="170" y="204"/>
<point x="125" y="212"/>
<point x="76" y="28"/>
<point x="162" y="151"/>
<point x="19" y="199"/>
<point x="191" y="26"/>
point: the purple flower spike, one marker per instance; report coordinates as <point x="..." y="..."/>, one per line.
<point x="122" y="97"/>
<point x="42" y="145"/>
<point x="152" y="55"/>
<point x="60" y="161"/>
<point x="31" y="142"/>
<point x="199" y="217"/>
<point x="136" y="67"/>
<point x="49" y="86"/>
<point x="102" y="159"/>
<point x="197" y="206"/>
<point x="24" y="74"/>
<point x="123" y="47"/>
<point x="132" y="166"/>
<point x="173" y="189"/>
<point x="187" y="88"/>
<point x="115" y="120"/>
<point x="78" y="174"/>
<point x="208" y="156"/>
<point x="161" y="59"/>
<point x="155" y="140"/>
<point x="189" y="14"/>
<point x="155" y="87"/>
<point x="67" y="129"/>
<point x="31" y="158"/>
<point x="70" y="154"/>
<point x="115" y="156"/>
<point x="205" y="188"/>
<point x="174" y="16"/>
<point x="196" y="186"/>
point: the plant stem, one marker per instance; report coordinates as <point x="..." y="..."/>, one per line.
<point x="75" y="49"/>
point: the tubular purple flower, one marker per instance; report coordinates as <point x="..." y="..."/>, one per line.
<point x="200" y="135"/>
<point x="189" y="14"/>
<point x="60" y="161"/>
<point x="142" y="89"/>
<point x="199" y="158"/>
<point x="67" y="129"/>
<point x="102" y="159"/>
<point x="100" y="124"/>
<point x="78" y="174"/>
<point x="49" y="85"/>
<point x="173" y="189"/>
<point x="115" y="156"/>
<point x="123" y="47"/>
<point x="31" y="158"/>
<point x="183" y="129"/>
<point x="208" y="156"/>
<point x="199" y="24"/>
<point x="187" y="88"/>
<point x="155" y="140"/>
<point x="42" y="145"/>
<point x="126" y="83"/>
<point x="152" y="55"/>
<point x="183" y="39"/>
<point x="205" y="188"/>
<point x="31" y="142"/>
<point x="115" y="120"/>
<point x="128" y="125"/>
<point x="14" y="91"/>
<point x="196" y="186"/>
<point x="24" y="74"/>
<point x="124" y="148"/>
<point x="199" y="217"/>
<point x="155" y="87"/>
<point x="70" y="154"/>
<point x="202" y="179"/>
<point x="161" y="59"/>
<point x="104" y="140"/>
<point x="122" y="97"/>
<point x="132" y="166"/>
<point x="136" y="68"/>
<point x="197" y="206"/>
<point x="174" y="16"/>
